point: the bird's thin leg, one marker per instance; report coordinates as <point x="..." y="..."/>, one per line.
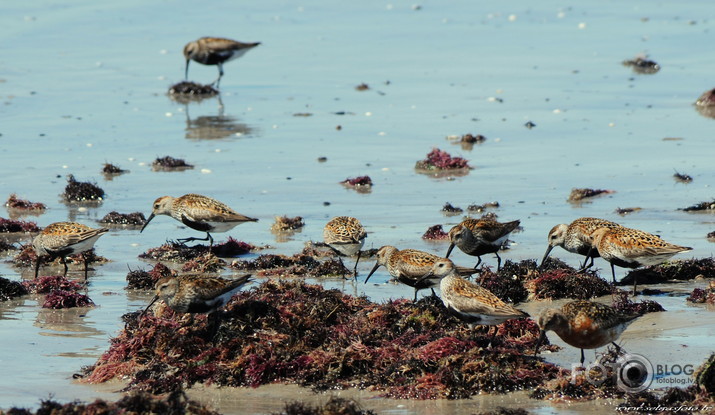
<point x="498" y="261"/>
<point x="414" y="300"/>
<point x="37" y="266"/>
<point x="635" y="284"/>
<point x="64" y="262"/>
<point x="220" y="74"/>
<point x="479" y="261"/>
<point x="356" y="263"/>
<point x="85" y="266"/>
<point x="613" y="273"/>
<point x="583" y="358"/>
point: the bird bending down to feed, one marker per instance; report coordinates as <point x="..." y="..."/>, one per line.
<point x="61" y="239"/>
<point x="215" y="51"/>
<point x="345" y="235"/>
<point x="477" y="237"/>
<point x="576" y="237"/>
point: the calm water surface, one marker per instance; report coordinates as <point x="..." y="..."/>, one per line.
<point x="84" y="83"/>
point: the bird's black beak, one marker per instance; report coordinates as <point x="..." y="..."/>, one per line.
<point x="542" y="337"/>
<point x="377" y="265"/>
<point x="186" y="71"/>
<point x="156" y="297"/>
<point x="147" y="222"/>
<point x="449" y="250"/>
<point x="546" y="255"/>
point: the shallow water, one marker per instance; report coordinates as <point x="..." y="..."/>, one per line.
<point x="84" y="83"/>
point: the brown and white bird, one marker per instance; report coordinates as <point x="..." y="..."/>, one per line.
<point x="584" y="324"/>
<point x="632" y="248"/>
<point x="477" y="237"/>
<point x="61" y="239"/>
<point x="215" y="51"/>
<point x="345" y="235"/>
<point x="469" y="301"/>
<point x="576" y="237"/>
<point x="198" y="212"/>
<point x="196" y="293"/>
<point x="410" y="266"/>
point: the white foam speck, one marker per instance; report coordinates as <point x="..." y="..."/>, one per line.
<point x="206" y="171"/>
<point x="169" y="114"/>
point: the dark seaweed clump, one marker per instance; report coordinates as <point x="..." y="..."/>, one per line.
<point x="624" y="304"/>
<point x="508" y="283"/>
<point x="682" y="178"/>
<point x="474" y="208"/>
<point x="193" y="89"/>
<point x="500" y="410"/>
<point x="700" y="206"/>
<point x="294" y="332"/>
<point x="145" y="280"/>
<point x="61" y="292"/>
<point x="111" y="169"/>
<point x="700" y="296"/>
<point x="298" y="265"/>
<point x="435" y="233"/>
<point x="10" y="226"/>
<point x="206" y="262"/>
<point x="450" y="210"/>
<point x="334" y="406"/>
<point x="82" y="191"/>
<point x="568" y="283"/>
<point x="11" y="289"/>
<point x="690" y="400"/>
<point x="14" y="202"/>
<point x="116" y="218"/>
<point x="66" y="299"/>
<point x="681" y="270"/>
<point x="133" y="403"/>
<point x="642" y="65"/>
<point x="176" y="252"/>
<point x="441" y="160"/>
<point x="472" y="139"/>
<point x="358" y="182"/>
<point x="584" y="193"/>
<point x="286" y="224"/>
<point x="170" y="163"/>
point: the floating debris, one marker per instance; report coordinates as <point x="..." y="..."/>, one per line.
<point x="584" y="193"/>
<point x="626" y="211"/>
<point x="435" y="233"/>
<point x="682" y="178"/>
<point x="362" y="87"/>
<point x="474" y="208"/>
<point x="14" y="202"/>
<point x="467" y="141"/>
<point x="700" y="207"/>
<point x="642" y="65"/>
<point x="529" y="125"/>
<point x="10" y="289"/>
<point x="441" y="160"/>
<point x="169" y="163"/>
<point x="82" y="191"/>
<point x="192" y="89"/>
<point x="711" y="236"/>
<point x="292" y="332"/>
<point x="362" y="184"/>
<point x="303" y="114"/>
<point x="500" y="410"/>
<point x="286" y="224"/>
<point x="450" y="210"/>
<point x="112" y="170"/>
<point x="116" y="218"/>
<point x="624" y="304"/>
<point x="12" y="226"/>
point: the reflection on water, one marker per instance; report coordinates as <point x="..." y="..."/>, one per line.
<point x="211" y="127"/>
<point x="70" y="322"/>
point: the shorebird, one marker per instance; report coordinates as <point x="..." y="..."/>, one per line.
<point x="215" y="51"/>
<point x="345" y="235"/>
<point x="410" y="266"/>
<point x="584" y="324"/>
<point x="632" y="248"/>
<point x="469" y="301"/>
<point x="198" y="212"/>
<point x="61" y="239"/>
<point x="576" y="237"/>
<point x="196" y="293"/>
<point x="477" y="237"/>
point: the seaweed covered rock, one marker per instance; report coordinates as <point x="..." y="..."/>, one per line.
<point x="624" y="304"/>
<point x="567" y="283"/>
<point x="362" y="184"/>
<point x="287" y="224"/>
<point x="334" y="406"/>
<point x="145" y="280"/>
<point x="11" y="226"/>
<point x="441" y="160"/>
<point x="579" y="194"/>
<point x="298" y="265"/>
<point x="289" y="331"/>
<point x="680" y="270"/>
<point x="14" y="202"/>
<point x="701" y="296"/>
<point x="508" y="283"/>
<point x="133" y="403"/>
<point x="435" y="233"/>
<point x="116" y="218"/>
<point x="168" y="163"/>
<point x="188" y="88"/>
<point x="66" y="299"/>
<point x="76" y="191"/>
<point x="11" y="289"/>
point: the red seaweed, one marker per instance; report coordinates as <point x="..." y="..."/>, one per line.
<point x="441" y="160"/>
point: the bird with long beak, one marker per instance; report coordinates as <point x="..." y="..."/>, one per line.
<point x="196" y="293"/>
<point x="61" y="239"/>
<point x="576" y="237"/>
<point x="198" y="212"/>
<point x="215" y="51"/>
<point x="584" y="324"/>
<point x="477" y="237"/>
<point x="410" y="266"/>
